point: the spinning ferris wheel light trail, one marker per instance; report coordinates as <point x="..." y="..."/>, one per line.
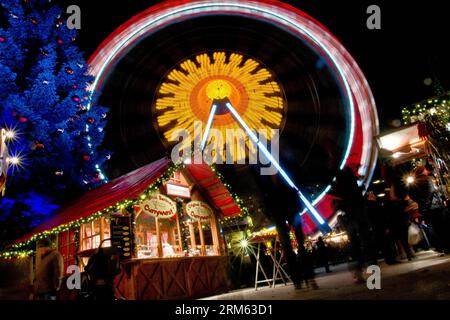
<point x="254" y="91"/>
<point x="208" y="126"/>
<point x="321" y="223"/>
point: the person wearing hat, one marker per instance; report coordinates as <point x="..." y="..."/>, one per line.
<point x="49" y="271"/>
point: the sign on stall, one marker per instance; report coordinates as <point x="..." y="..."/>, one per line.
<point x="121" y="237"/>
<point x="199" y="211"/>
<point x="159" y="206"/>
<point x="178" y="191"/>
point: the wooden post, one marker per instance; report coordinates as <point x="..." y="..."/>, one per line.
<point x="192" y="234"/>
<point x="102" y="229"/>
<point x="215" y="235"/>
<point x="180" y="243"/>
<point x="158" y="236"/>
<point x="31" y="278"/>
<point x="202" y="239"/>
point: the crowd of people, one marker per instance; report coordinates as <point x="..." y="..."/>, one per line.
<point x="411" y="215"/>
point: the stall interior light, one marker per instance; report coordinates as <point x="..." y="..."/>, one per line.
<point x="381" y="195"/>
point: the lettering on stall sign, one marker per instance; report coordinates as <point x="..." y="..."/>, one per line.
<point x="160" y="206"/>
<point x="199" y="211"/>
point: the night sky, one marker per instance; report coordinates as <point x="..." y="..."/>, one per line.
<point x="396" y="59"/>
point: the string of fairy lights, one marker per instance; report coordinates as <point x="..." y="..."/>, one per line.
<point x="438" y="107"/>
<point x="24" y="248"/>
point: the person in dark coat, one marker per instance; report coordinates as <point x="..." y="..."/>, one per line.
<point x="349" y="199"/>
<point x="49" y="272"/>
<point x="322" y="254"/>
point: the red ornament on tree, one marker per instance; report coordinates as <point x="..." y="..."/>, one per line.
<point x="86" y="157"/>
<point x="75" y="86"/>
<point x="59" y="40"/>
<point x="76" y="98"/>
<point x="2" y="39"/>
<point x="39" y="146"/>
<point x="23" y="120"/>
<point x="34" y="21"/>
<point x="69" y="70"/>
<point x="90" y="120"/>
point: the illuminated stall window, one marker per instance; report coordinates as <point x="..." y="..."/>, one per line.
<point x="202" y="226"/>
<point x="94" y="232"/>
<point x="67" y="247"/>
<point x="157" y="231"/>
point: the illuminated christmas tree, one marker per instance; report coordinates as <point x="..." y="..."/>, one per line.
<point x="53" y="133"/>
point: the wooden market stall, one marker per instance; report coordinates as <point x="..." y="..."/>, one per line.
<point x="171" y="244"/>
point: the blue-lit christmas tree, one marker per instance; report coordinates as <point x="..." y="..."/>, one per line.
<point x="54" y="135"/>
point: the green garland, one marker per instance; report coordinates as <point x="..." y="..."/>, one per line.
<point x="17" y="250"/>
<point x="438" y="107"/>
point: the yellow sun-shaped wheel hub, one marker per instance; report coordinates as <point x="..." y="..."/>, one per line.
<point x="189" y="90"/>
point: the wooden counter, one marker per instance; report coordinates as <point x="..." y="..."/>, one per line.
<point x="173" y="278"/>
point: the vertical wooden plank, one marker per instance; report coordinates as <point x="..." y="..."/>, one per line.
<point x="31" y="278"/>
<point x="215" y="235"/>
<point x="131" y="281"/>
<point x="192" y="234"/>
<point x="158" y="236"/>
<point x="202" y="239"/>
<point x="102" y="234"/>
<point x="180" y="243"/>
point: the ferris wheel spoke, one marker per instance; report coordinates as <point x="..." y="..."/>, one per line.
<point x="208" y="126"/>
<point x="317" y="218"/>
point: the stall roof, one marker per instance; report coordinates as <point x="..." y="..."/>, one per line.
<point x="130" y="186"/>
<point x="218" y="194"/>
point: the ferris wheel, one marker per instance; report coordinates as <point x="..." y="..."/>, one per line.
<point x="252" y="65"/>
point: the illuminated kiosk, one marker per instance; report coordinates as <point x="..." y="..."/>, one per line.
<point x="171" y="242"/>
